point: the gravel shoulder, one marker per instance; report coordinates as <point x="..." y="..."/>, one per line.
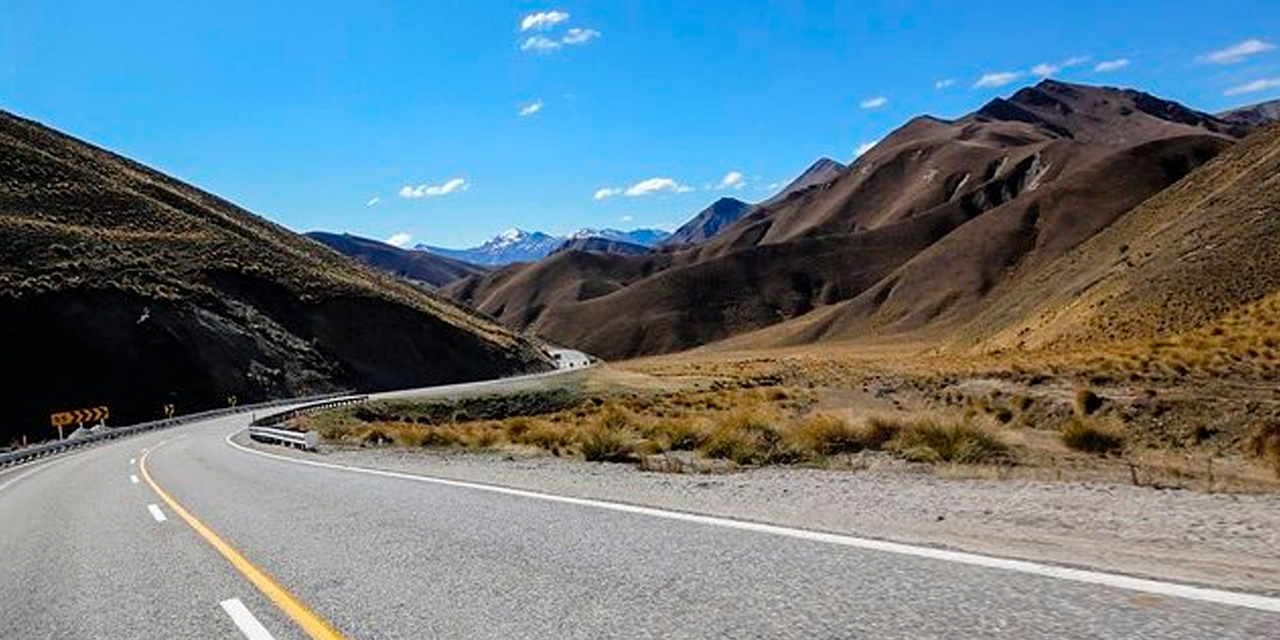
<point x="1222" y="540"/>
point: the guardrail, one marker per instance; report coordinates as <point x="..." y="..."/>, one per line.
<point x="285" y="416"/>
<point x="47" y="449"/>
<point x="261" y="430"/>
<point x="308" y="440"/>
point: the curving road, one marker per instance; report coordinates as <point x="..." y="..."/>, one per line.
<point x="90" y="553"/>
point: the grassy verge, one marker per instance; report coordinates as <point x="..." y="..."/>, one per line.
<point x="720" y="427"/>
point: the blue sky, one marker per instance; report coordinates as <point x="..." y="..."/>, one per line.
<point x="465" y="118"/>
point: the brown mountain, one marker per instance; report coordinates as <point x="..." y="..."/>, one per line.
<point x="915" y="233"/>
<point x="597" y="244"/>
<point x="1255" y="114"/>
<point x="709" y="222"/>
<point x="120" y="286"/>
<point x="419" y="266"/>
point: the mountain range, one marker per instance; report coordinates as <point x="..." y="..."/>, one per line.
<point x="939" y="222"/>
<point x="517" y="245"/>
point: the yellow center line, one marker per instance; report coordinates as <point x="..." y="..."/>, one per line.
<point x="315" y="626"/>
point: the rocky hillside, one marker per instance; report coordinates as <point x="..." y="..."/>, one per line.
<point x="120" y="286"/>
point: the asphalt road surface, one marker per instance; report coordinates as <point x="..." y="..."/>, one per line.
<point x="181" y="534"/>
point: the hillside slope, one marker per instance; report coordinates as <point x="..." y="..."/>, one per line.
<point x="419" y="266"/>
<point x="120" y="286"/>
<point x="916" y="233"/>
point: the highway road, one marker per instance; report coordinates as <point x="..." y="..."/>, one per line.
<point x="182" y="534"/>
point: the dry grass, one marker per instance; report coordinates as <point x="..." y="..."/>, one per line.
<point x="1090" y="436"/>
<point x="1265" y="444"/>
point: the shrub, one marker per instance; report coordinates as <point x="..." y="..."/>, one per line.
<point x="1089" y="437"/>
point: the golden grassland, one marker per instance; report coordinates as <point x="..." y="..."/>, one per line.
<point x="845" y="409"/>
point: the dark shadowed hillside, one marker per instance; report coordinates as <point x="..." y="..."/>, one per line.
<point x="420" y="266"/>
<point x="916" y="233"/>
<point x="120" y="286"/>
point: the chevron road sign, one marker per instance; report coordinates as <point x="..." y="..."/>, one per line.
<point x="78" y="416"/>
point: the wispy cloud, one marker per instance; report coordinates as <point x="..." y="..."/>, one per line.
<point x="530" y="108"/>
<point x="644" y="188"/>
<point x="372" y="201"/>
<point x="997" y="79"/>
<point x="655" y="185"/>
<point x="944" y="83"/>
<point x="579" y="36"/>
<point x="1107" y="66"/>
<point x="539" y="44"/>
<point x="732" y="180"/>
<point x="874" y="103"/>
<point x="1046" y="69"/>
<point x="543" y="44"/>
<point x="626" y="218"/>
<point x="543" y="20"/>
<point x="1265" y="84"/>
<point x="1238" y="52"/>
<point x="430" y="191"/>
<point x="865" y="147"/>
<point x="399" y="239"/>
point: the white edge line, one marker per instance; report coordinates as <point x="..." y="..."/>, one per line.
<point x="36" y="469"/>
<point x="156" y="513"/>
<point x="245" y="620"/>
<point x="1144" y="585"/>
<point x="133" y="479"/>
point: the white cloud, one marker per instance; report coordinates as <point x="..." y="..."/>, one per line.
<point x="539" y="44"/>
<point x="372" y="201"/>
<point x="579" y="36"/>
<point x="1046" y="69"/>
<point x="543" y="20"/>
<point x="865" y="147"/>
<point x="606" y="192"/>
<point x="1265" y="84"/>
<point x="732" y="180"/>
<point x="399" y="239"/>
<point x="654" y="185"/>
<point x="1107" y="66"/>
<point x="1237" y="52"/>
<point x="874" y="103"/>
<point x="429" y="191"/>
<point x="530" y="108"/>
<point x="626" y="218"/>
<point x="997" y="79"/>
<point x="943" y="84"/>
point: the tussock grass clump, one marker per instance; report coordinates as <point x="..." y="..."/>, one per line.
<point x="676" y="434"/>
<point x="747" y="437"/>
<point x="1090" y="437"/>
<point x="959" y="442"/>
<point x="1265" y="443"/>
<point x="825" y="435"/>
<point x="609" y="438"/>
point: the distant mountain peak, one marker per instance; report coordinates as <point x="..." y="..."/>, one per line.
<point x="518" y="245"/>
